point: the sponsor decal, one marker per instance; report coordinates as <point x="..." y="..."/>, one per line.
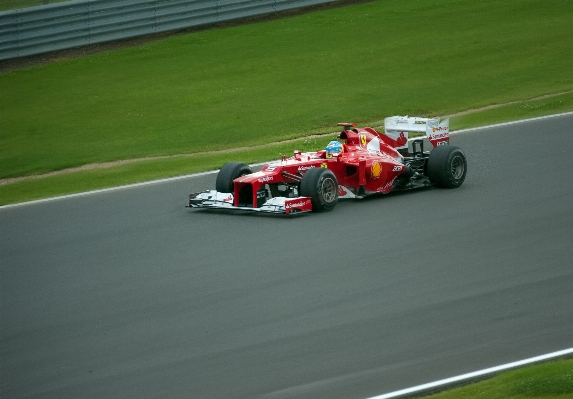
<point x="389" y="185"/>
<point x="362" y="137"/>
<point x="324" y="165"/>
<point x="341" y="192"/>
<point x="376" y="169"/>
<point x="295" y="205"/>
<point x="397" y="168"/>
<point x="440" y="129"/>
<point x="401" y="140"/>
<point x="266" y="179"/>
<point x="270" y="168"/>
<point x="305" y="168"/>
<point x="228" y="199"/>
<point x="378" y="153"/>
<point x="439" y="136"/>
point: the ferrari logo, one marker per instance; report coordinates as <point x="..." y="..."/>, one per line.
<point x="362" y="137"/>
<point x="376" y="169"/>
<point x="324" y="166"/>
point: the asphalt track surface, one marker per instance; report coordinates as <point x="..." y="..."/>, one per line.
<point x="128" y="294"/>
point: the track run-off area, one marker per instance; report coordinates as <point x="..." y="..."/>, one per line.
<point x="105" y="165"/>
<point x="125" y="293"/>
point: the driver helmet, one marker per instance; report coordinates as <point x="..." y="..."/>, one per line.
<point x="333" y="149"/>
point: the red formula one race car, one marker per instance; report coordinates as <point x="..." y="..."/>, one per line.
<point x="363" y="162"/>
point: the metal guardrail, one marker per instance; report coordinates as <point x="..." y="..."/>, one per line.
<point x="71" y="24"/>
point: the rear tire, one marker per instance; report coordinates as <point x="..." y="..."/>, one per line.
<point x="229" y="172"/>
<point x="322" y="187"/>
<point x="447" y="166"/>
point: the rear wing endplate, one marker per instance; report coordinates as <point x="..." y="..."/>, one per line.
<point x="398" y="127"/>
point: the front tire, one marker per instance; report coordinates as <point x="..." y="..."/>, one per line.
<point x="322" y="187"/>
<point x="229" y="172"/>
<point x="447" y="166"/>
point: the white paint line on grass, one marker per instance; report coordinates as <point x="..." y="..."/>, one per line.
<point x="475" y="374"/>
<point x="158" y="181"/>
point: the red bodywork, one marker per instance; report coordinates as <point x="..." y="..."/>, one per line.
<point x="368" y="164"/>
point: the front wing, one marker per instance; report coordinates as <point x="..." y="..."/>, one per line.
<point x="217" y="200"/>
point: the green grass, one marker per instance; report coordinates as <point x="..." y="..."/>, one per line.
<point x="146" y="170"/>
<point x="513" y="112"/>
<point x="276" y="80"/>
<point x="543" y="381"/>
<point x="69" y="183"/>
<point x="15" y="4"/>
<point x="282" y="79"/>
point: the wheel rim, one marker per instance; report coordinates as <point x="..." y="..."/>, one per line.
<point x="457" y="167"/>
<point x="328" y="190"/>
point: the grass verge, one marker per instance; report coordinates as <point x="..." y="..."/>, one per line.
<point x="551" y="380"/>
<point x="6" y="5"/>
<point x="145" y="170"/>
<point x="516" y="111"/>
<point x="140" y="171"/>
<point x="282" y="79"/>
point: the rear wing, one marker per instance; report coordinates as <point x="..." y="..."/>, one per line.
<point x="398" y="127"/>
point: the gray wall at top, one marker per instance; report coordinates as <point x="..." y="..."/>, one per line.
<point x="60" y="26"/>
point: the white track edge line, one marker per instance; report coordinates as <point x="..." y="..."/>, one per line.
<point x="538" y="118"/>
<point x="103" y="190"/>
<point x="474" y="374"/>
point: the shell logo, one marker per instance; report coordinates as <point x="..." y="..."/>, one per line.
<point x="376" y="169"/>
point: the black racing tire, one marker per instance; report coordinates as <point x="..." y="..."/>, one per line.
<point x="321" y="186"/>
<point x="229" y="172"/>
<point x="447" y="166"/>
